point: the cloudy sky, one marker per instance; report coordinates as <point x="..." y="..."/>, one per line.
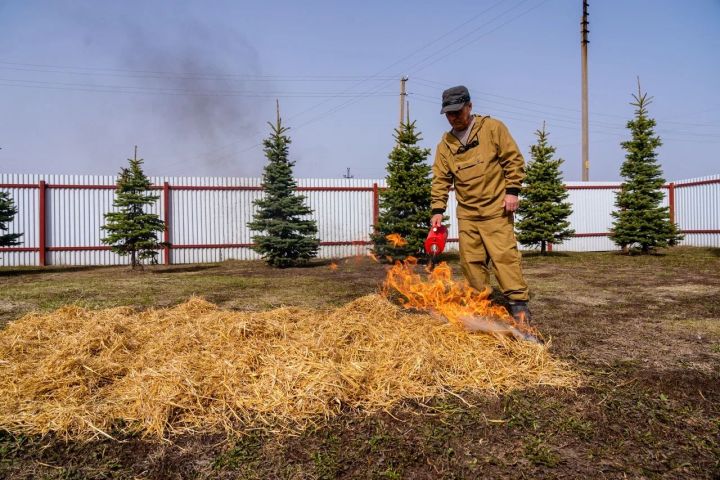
<point x="194" y="83"/>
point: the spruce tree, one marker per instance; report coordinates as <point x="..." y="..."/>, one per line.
<point x="405" y="204"/>
<point x="287" y="237"/>
<point x="640" y="220"/>
<point x="7" y="213"/>
<point x="544" y="209"/>
<point x="132" y="231"/>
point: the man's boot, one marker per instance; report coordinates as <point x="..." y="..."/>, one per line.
<point x="520" y="311"/>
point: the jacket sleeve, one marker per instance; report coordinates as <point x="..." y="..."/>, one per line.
<point x="441" y="182"/>
<point x="511" y="160"/>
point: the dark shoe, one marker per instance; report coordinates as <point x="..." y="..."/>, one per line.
<point x="520" y="312"/>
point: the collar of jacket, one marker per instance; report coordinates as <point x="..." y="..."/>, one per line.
<point x="453" y="143"/>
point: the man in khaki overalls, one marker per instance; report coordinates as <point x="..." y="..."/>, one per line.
<point x="482" y="160"/>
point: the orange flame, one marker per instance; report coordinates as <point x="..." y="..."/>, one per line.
<point x="459" y="303"/>
<point x="396" y="240"/>
<point x="373" y="256"/>
<point x="333" y="266"/>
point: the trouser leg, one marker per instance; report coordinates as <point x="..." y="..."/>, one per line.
<point x="473" y="256"/>
<point x="498" y="237"/>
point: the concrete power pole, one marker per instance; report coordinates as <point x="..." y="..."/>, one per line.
<point x="585" y="143"/>
<point x="402" y="98"/>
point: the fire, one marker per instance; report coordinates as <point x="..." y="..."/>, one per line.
<point x="333" y="266"/>
<point x="459" y="303"/>
<point x="373" y="256"/>
<point x="396" y="240"/>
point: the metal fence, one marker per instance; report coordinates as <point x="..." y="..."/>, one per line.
<point x="206" y="217"/>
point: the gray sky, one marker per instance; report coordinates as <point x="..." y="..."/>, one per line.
<point x="193" y="83"/>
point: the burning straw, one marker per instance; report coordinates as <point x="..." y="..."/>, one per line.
<point x="197" y="368"/>
<point x="457" y="302"/>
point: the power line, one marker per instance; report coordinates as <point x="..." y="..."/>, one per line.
<point x="452" y="43"/>
<point x="598" y="129"/>
<point x="175" y="91"/>
<point x="445" y="53"/>
<point x="475" y="93"/>
<point x="534" y="113"/>
<point x="544" y="113"/>
<point x="397" y="62"/>
<point x="350" y="102"/>
<point x="176" y="75"/>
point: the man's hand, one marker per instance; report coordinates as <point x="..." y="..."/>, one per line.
<point x="436" y="220"/>
<point x="511" y="203"/>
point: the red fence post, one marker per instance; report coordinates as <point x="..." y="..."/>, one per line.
<point x="42" y="197"/>
<point x="166" y="219"/>
<point x="376" y="205"/>
<point x="671" y="201"/>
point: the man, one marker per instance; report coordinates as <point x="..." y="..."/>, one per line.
<point x="480" y="158"/>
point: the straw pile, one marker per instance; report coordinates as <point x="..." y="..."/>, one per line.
<point x="197" y="368"/>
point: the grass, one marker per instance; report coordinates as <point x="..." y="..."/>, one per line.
<point x="643" y="330"/>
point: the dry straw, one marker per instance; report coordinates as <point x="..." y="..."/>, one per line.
<point x="197" y="368"/>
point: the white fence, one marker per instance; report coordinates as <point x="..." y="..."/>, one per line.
<point x="60" y="216"/>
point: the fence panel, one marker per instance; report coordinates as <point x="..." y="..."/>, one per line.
<point x="208" y="216"/>
<point x="26" y="221"/>
<point x="697" y="210"/>
<point x="592" y="203"/>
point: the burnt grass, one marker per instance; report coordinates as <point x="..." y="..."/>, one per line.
<point x="644" y="331"/>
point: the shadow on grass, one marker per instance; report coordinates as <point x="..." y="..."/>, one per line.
<point x="185" y="269"/>
<point x="535" y="254"/>
<point x="314" y="263"/>
<point x="18" y="271"/>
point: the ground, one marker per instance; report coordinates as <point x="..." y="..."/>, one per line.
<point x="644" y="331"/>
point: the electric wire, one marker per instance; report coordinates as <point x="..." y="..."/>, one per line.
<point x="435" y="85"/>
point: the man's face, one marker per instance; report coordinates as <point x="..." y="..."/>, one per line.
<point x="460" y="119"/>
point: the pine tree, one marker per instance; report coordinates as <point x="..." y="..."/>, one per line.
<point x="544" y="209"/>
<point x="405" y="204"/>
<point x="7" y="213"/>
<point x="132" y="231"/>
<point x="640" y="219"/>
<point x="287" y="236"/>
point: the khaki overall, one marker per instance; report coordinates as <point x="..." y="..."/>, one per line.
<point x="481" y="174"/>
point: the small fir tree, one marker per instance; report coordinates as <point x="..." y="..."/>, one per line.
<point x="640" y="220"/>
<point x="132" y="231"/>
<point x="7" y="213"/>
<point x="405" y="204"/>
<point x="544" y="209"/>
<point x="287" y="236"/>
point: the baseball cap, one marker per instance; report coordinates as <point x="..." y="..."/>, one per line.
<point x="454" y="98"/>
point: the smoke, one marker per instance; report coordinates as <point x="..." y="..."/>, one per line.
<point x="166" y="76"/>
<point x="205" y="98"/>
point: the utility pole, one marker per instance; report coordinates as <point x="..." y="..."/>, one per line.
<point x="583" y="46"/>
<point x="402" y="98"/>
